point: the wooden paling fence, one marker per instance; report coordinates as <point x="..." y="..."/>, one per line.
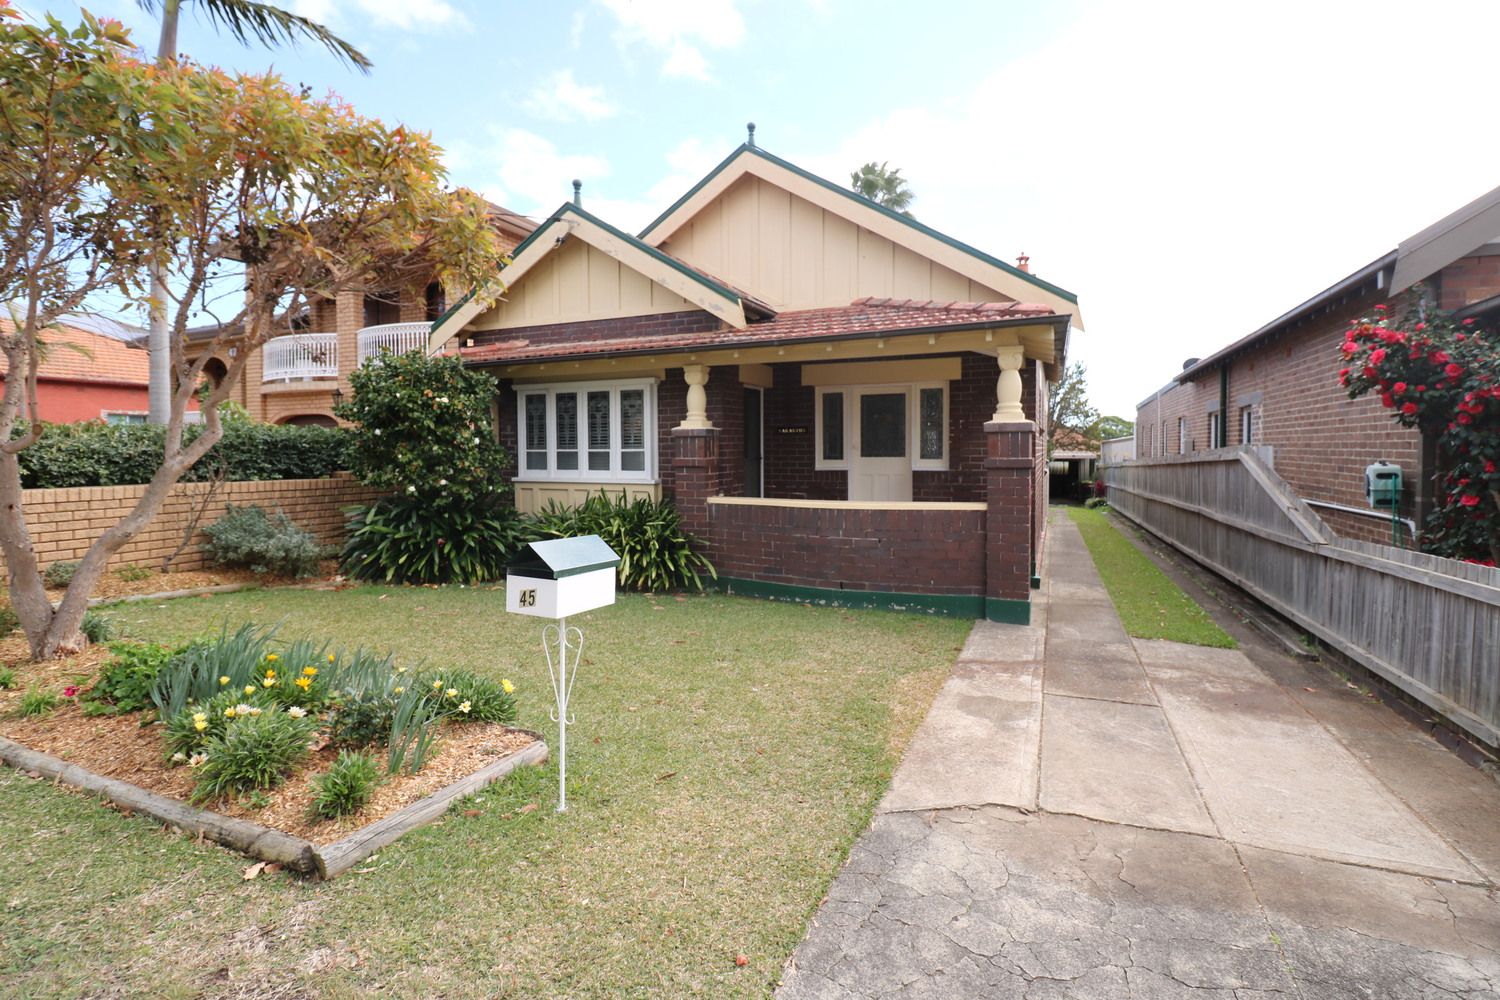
<point x="1429" y="625"/>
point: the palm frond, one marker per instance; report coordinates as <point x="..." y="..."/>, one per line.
<point x="249" y="21"/>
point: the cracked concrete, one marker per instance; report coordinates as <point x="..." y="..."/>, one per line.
<point x="1083" y="815"/>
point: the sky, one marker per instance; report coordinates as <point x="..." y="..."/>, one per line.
<point x="1190" y="170"/>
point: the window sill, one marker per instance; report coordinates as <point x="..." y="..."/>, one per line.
<point x="600" y="478"/>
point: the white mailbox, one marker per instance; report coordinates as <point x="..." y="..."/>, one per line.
<point x="561" y="577"/>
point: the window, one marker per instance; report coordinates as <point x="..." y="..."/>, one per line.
<point x="1182" y="437"/>
<point x="1214" y="441"/>
<point x="895" y="421"/>
<point x="124" y="417"/>
<point x="588" y="431"/>
<point x="1162" y="441"/>
<point x="1247" y="424"/>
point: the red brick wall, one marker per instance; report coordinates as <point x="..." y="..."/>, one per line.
<point x="1468" y="280"/>
<point x="902" y="551"/>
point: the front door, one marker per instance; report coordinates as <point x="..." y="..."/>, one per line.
<point x="880" y="468"/>
<point x="754" y="443"/>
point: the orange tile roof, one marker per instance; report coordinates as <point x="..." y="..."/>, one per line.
<point x="862" y="316"/>
<point x="76" y="355"/>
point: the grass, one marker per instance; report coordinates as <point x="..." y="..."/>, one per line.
<point x="726" y="754"/>
<point x="1150" y="605"/>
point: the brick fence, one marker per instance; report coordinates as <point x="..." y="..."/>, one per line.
<point x="65" y="522"/>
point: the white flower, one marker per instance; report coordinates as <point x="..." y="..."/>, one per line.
<point x="442" y="399"/>
<point x="296" y="712"/>
<point x="411" y="489"/>
<point x="179" y="757"/>
<point x="476" y="440"/>
<point x="464" y="707"/>
<point x="377" y="432"/>
<point x="442" y="482"/>
<point x="242" y="709"/>
<point x="197" y="760"/>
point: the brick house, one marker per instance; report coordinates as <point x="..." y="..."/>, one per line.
<point x="88" y="376"/>
<point x="842" y="402"/>
<point x="1278" y="387"/>
<point x="293" y="378"/>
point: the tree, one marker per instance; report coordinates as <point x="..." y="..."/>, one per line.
<point x="1442" y="377"/>
<point x="247" y="21"/>
<point x="1068" y="402"/>
<point x="883" y="186"/>
<point x="1109" y="427"/>
<point x="134" y="164"/>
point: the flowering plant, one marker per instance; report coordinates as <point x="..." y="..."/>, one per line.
<point x="1443" y="377"/>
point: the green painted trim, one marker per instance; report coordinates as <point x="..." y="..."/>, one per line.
<point x="1007" y="610"/>
<point x="926" y="230"/>
<point x="952" y="605"/>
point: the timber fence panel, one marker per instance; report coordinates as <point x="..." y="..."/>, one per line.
<point x="1427" y="624"/>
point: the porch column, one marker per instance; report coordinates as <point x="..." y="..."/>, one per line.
<point x="1008" y="388"/>
<point x="1010" y="469"/>
<point x="696" y="377"/>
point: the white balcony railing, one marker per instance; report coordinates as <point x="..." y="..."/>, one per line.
<point x="298" y="357"/>
<point x="398" y="338"/>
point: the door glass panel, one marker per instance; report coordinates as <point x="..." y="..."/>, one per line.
<point x="598" y="409"/>
<point x="931" y="435"/>
<point x="833" y="426"/>
<point x="567" y="430"/>
<point x="633" y="430"/>
<point x="536" y="431"/>
<point x="882" y="425"/>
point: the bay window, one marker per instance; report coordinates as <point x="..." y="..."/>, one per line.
<point x="588" y="431"/>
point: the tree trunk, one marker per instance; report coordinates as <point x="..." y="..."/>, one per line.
<point x="28" y="597"/>
<point x="159" y="339"/>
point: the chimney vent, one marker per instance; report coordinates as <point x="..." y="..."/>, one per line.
<point x="1190" y="362"/>
<point x="578" y="192"/>
<point x="1024" y="263"/>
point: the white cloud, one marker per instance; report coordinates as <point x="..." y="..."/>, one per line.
<point x="404" y="15"/>
<point x="1193" y="170"/>
<point x="530" y="174"/>
<point x="561" y="98"/>
<point x="679" y="30"/>
<point x="688" y="162"/>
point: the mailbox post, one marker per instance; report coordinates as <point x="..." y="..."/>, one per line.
<point x="555" y="579"/>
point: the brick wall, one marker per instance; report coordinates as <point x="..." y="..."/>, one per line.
<point x="65" y="522"/>
<point x="898" y="551"/>
<point x="1468" y="280"/>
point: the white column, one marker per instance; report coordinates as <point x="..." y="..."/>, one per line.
<point x="696" y="377"/>
<point x="1008" y="388"/>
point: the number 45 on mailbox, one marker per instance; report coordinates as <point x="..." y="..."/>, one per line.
<point x="555" y="579"/>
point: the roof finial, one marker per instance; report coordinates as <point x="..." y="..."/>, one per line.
<point x="750" y="128"/>
<point x="578" y="192"/>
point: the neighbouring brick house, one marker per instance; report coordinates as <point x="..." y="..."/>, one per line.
<point x="842" y="402"/>
<point x="88" y="376"/>
<point x="292" y="378"/>
<point x="1278" y="387"/>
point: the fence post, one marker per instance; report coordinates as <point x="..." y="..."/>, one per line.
<point x="1009" y="472"/>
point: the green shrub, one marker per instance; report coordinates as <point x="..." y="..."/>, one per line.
<point x="255" y="751"/>
<point x="7" y="678"/>
<point x="37" y="702"/>
<point x="96" y="454"/>
<point x="8" y="620"/>
<point x="655" y="553"/>
<point x="208" y="667"/>
<point x="265" y="543"/>
<point x="346" y="787"/>
<point x="363" y="719"/>
<point x="487" y="699"/>
<point x="96" y="627"/>
<point x="131" y="573"/>
<point x="1093" y="502"/>
<point x="125" y="682"/>
<point x="408" y="539"/>
<point x="60" y="574"/>
<point x="414" y="729"/>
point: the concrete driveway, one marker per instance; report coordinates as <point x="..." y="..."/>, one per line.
<point x="1087" y="815"/>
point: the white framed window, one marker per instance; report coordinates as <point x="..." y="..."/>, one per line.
<point x="1214" y="439"/>
<point x="927" y="408"/>
<point x="1182" y="439"/>
<point x="587" y="431"/>
<point x="1247" y="424"/>
<point x="124" y="416"/>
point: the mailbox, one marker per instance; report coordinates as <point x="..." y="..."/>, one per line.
<point x="561" y="577"/>
<point x="1383" y="484"/>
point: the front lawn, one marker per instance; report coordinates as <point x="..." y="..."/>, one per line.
<point x="726" y="754"/>
<point x="1150" y="605"/>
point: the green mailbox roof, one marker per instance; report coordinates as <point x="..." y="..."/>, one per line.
<point x="556" y="558"/>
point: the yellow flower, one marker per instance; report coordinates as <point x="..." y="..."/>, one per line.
<point x="223" y="681"/>
<point x="200" y="724"/>
<point x="507" y="686"/>
<point x="249" y="688"/>
<point x="437" y="685"/>
<point x="464" y="707"/>
<point x="330" y="657"/>
<point x="199" y="716"/>
<point x="269" y="682"/>
<point x="452" y="692"/>
<point x="310" y="671"/>
<point x="228" y="713"/>
<point x="303" y="682"/>
<point x="272" y="657"/>
<point x="270" y="673"/>
<point x="400" y="689"/>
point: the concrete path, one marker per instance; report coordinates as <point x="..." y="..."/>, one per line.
<point x="1085" y="815"/>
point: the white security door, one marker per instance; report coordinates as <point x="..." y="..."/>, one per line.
<point x="880" y="468"/>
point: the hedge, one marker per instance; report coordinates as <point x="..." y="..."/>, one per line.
<point x="95" y="454"/>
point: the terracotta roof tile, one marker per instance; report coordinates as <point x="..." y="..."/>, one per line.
<point x="863" y="316"/>
<point x="76" y="355"/>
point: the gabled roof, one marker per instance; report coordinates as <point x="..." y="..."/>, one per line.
<point x="75" y="355"/>
<point x="862" y="318"/>
<point x="571" y="220"/>
<point x="900" y="229"/>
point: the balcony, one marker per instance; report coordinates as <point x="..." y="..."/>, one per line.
<point x="301" y="357"/>
<point x="397" y="338"/>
